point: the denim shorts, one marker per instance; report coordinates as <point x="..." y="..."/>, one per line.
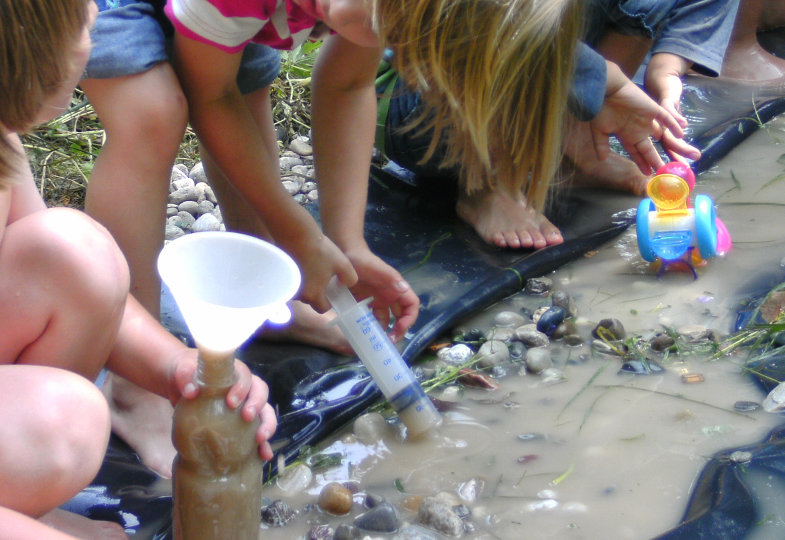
<point x="131" y="36"/>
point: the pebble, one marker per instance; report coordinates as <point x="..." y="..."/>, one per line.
<point x="530" y="336"/>
<point x="538" y="286"/>
<point x="550" y="320"/>
<point x="321" y="532"/>
<point x="661" y="342"/>
<point x="455" y="355"/>
<point x="189" y="191"/>
<point x="335" y="499"/>
<point x="380" y="519"/>
<point x="538" y="359"/>
<point x="563" y="300"/>
<point x="492" y="353"/>
<point x="610" y="329"/>
<point x="347" y="531"/>
<point x="508" y="319"/>
<point x="439" y="515"/>
<point x="295" y="479"/>
<point x="278" y="513"/>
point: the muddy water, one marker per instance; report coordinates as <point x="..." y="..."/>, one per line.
<point x="599" y="454"/>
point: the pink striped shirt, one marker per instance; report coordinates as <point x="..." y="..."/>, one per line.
<point x="231" y="24"/>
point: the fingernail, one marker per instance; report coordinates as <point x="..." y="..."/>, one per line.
<point x="190" y="388"/>
<point x="233" y="402"/>
<point x="402" y="285"/>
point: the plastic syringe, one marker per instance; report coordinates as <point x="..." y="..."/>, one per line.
<point x="383" y="361"/>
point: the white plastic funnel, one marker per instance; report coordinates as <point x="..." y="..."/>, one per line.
<point x="227" y="285"/>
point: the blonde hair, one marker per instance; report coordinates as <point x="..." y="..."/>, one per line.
<point x="495" y="76"/>
<point x="36" y="40"/>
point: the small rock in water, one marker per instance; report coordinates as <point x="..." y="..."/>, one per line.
<point x="439" y="515"/>
<point x="492" y="353"/>
<point x="335" y="499"/>
<point x="661" y="341"/>
<point x="346" y="531"/>
<point x="380" y="519"/>
<point x="501" y="333"/>
<point x="746" y="406"/>
<point x="564" y="301"/>
<point x="508" y="319"/>
<point x="695" y="333"/>
<point x="321" y="532"/>
<point x="530" y="336"/>
<point x="610" y="329"/>
<point x="538" y="286"/>
<point x="277" y="514"/>
<point x="538" y="359"/>
<point x="370" y="428"/>
<point x="472" y="490"/>
<point x="550" y="320"/>
<point x="295" y="478"/>
<point x="455" y="355"/>
<point x="639" y="367"/>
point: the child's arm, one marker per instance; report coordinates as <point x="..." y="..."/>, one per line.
<point x="663" y="82"/>
<point x="226" y="127"/>
<point x="148" y="355"/>
<point x="344" y="122"/>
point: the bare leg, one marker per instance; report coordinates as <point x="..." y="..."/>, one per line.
<point x="54" y="431"/>
<point x="507" y="221"/>
<point x="745" y="59"/>
<point x="307" y="326"/>
<point x="63" y="291"/>
<point x="615" y="172"/>
<point x="144" y="116"/>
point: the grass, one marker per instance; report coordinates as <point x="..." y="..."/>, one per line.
<point x="62" y="153"/>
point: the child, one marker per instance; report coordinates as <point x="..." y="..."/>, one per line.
<point x="494" y="77"/>
<point x="602" y="96"/>
<point x="64" y="303"/>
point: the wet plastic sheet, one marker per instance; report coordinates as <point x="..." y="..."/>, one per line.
<point x="727" y="500"/>
<point x="456" y="275"/>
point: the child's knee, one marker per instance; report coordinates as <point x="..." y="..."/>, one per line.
<point x="80" y="251"/>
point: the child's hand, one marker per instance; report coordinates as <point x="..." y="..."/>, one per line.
<point x="633" y="117"/>
<point x="249" y="391"/>
<point x="320" y="259"/>
<point x="390" y="292"/>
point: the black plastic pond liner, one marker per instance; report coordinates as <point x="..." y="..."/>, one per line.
<point x="456" y="275"/>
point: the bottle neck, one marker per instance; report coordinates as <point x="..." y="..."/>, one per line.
<point x="215" y="370"/>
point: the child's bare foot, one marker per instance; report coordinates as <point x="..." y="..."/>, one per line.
<point x="311" y="328"/>
<point x="749" y="61"/>
<point x="506" y="221"/>
<point x="614" y="172"/>
<point x="144" y="421"/>
<point x="82" y="527"/>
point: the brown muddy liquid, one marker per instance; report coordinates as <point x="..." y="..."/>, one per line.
<point x="217" y="474"/>
<point x="600" y="454"/>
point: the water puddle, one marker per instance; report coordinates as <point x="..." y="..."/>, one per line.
<point x="597" y="453"/>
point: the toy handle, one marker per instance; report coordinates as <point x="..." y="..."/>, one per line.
<point x="724" y="242"/>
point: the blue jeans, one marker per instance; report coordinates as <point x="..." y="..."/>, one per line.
<point x="131" y="36"/>
<point x="698" y="30"/>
